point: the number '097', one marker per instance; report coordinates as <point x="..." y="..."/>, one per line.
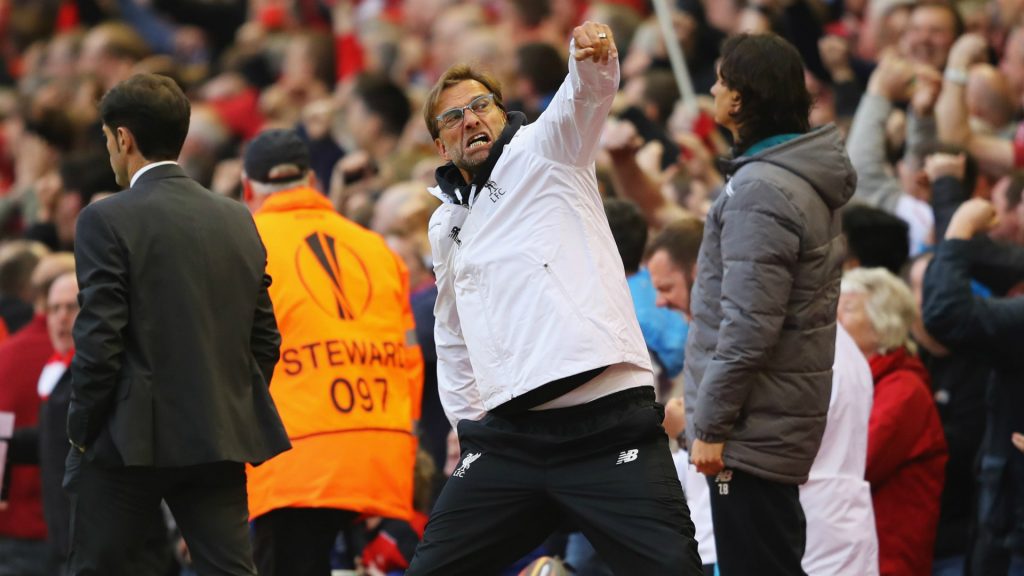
<point x="362" y="393"/>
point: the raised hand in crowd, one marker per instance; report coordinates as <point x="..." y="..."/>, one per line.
<point x="353" y="179"/>
<point x="892" y="79"/>
<point x="594" y="41"/>
<point x="226" y="176"/>
<point x="1018" y="441"/>
<point x="699" y="161"/>
<point x="974" y="216"/>
<point x="620" y="137"/>
<point x="637" y="173"/>
<point x="968" y="50"/>
<point x="940" y="165"/>
<point x="924" y="93"/>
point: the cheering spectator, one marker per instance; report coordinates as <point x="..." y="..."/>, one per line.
<point x="906" y="447"/>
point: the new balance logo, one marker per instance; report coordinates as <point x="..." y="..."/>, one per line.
<point x="627" y="456"/>
<point x="454" y="235"/>
<point x="469" y="459"/>
<point x="722" y="480"/>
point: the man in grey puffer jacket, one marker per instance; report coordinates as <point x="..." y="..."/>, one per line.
<point x="760" y="351"/>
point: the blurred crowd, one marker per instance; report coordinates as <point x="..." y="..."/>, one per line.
<point x="928" y="93"/>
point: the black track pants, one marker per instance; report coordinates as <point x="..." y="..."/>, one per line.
<point x="603" y="466"/>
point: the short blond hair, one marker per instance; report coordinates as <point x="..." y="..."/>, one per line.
<point x="890" y="306"/>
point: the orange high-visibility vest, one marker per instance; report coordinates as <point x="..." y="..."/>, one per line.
<point x="350" y="378"/>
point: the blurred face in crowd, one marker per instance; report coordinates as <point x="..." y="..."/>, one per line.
<point x="723" y="15"/>
<point x="671" y="283"/>
<point x="929" y="36"/>
<point x="363" y="125"/>
<point x="913" y="178"/>
<point x="299" y="61"/>
<point x="1009" y="11"/>
<point x="93" y="53"/>
<point x="118" y="159"/>
<point x="853" y="315"/>
<point x="467" y="143"/>
<point x="1008" y="229"/>
<point x="61" y="311"/>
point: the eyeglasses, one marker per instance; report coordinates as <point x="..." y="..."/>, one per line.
<point x="452" y="117"/>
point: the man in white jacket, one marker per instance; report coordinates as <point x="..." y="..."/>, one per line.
<point x="542" y="368"/>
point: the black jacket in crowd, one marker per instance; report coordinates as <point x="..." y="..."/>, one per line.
<point x="990" y="329"/>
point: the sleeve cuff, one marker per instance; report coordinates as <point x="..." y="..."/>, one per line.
<point x="709" y="438"/>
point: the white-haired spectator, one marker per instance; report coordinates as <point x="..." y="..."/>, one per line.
<point x="906" y="445"/>
<point x="877" y="309"/>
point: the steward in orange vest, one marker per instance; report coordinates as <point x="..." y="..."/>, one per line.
<point x="350" y="377"/>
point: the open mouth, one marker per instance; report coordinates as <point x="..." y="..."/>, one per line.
<point x="477" y="141"/>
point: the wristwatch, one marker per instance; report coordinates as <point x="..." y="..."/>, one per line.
<point x="76" y="446"/>
<point x="957" y="76"/>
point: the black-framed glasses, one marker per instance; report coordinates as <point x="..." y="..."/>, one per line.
<point x="452" y="117"/>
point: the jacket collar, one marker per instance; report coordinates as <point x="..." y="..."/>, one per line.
<point x="767" y="143"/>
<point x="160" y="172"/>
<point x="454" y="187"/>
<point x="302" y="198"/>
<point x="896" y="360"/>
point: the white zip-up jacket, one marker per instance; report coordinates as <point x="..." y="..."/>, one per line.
<point x="841" y="536"/>
<point x="530" y="285"/>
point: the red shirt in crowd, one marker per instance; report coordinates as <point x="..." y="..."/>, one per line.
<point x="22" y="357"/>
<point x="906" y="464"/>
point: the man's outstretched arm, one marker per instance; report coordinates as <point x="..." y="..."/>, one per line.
<point x="569" y="131"/>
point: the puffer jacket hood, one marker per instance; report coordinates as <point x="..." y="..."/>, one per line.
<point x="832" y="177"/>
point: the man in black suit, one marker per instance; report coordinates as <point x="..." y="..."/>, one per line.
<point x="175" y="345"/>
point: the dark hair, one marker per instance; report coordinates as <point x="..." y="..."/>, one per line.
<point x="768" y="73"/>
<point x="660" y="89"/>
<point x="681" y="241"/>
<point x="154" y="109"/>
<point x="541" y="64"/>
<point x="87" y="173"/>
<point x="629" y="229"/>
<point x="876" y="238"/>
<point x="16" y="271"/>
<point x="533" y="12"/>
<point x="451" y="77"/>
<point x="386" y="100"/>
<point x="55" y="127"/>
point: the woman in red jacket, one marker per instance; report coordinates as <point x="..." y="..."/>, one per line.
<point x="906" y="447"/>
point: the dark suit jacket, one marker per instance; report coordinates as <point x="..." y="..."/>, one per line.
<point x="176" y="340"/>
